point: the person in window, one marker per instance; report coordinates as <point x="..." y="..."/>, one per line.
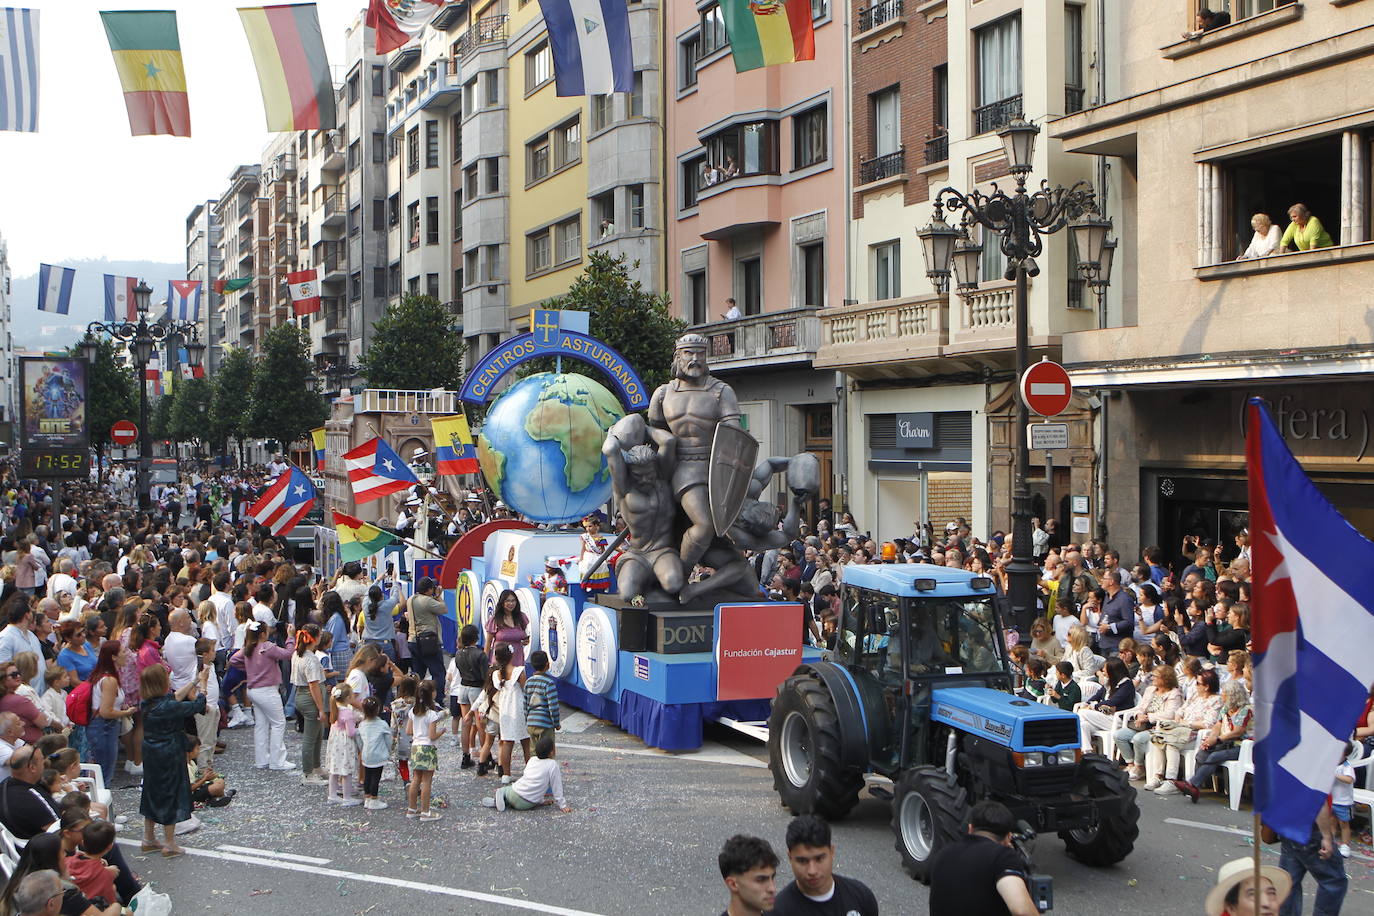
<point x="1305" y="232"/>
<point x="1207" y="21"/>
<point x="731" y="168"/>
<point x="1264" y="243"/>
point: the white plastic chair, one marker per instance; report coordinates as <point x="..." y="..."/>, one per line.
<point x="1119" y="720"/>
<point x="1365" y="796"/>
<point x="90" y="773"/>
<point x="1237" y="770"/>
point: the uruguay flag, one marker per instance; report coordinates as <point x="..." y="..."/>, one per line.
<point x="55" y="288"/>
<point x="590" y="40"/>
<point x="183" y="300"/>
<point x="284" y="503"/>
<point x="1313" y="626"/>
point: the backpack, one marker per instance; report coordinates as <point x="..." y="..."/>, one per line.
<point x="79" y="704"/>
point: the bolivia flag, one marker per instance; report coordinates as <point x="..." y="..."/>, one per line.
<point x="293" y="71"/>
<point x="454" y="452"/>
<point x="147" y="53"/>
<point x="358" y="539"/>
<point x="317" y="441"/>
<point x="767" y="32"/>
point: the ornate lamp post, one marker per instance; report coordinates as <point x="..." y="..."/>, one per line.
<point x="1018" y="221"/>
<point x="141" y="337"/>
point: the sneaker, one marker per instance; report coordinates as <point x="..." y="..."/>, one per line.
<point x="482" y="768"/>
<point x="133" y="769"/>
<point x="431" y="816"/>
<point x="1153" y="784"/>
<point x="190" y="825"/>
<point x="333" y="800"/>
<point x="350" y="802"/>
<point x="489" y="802"/>
<point x="1345" y="850"/>
<point x="379" y="805"/>
<point x="314" y="780"/>
<point x="1168" y="788"/>
<point x="505" y="780"/>
<point x="467" y="763"/>
<point x="1135" y="773"/>
<point x="501" y="800"/>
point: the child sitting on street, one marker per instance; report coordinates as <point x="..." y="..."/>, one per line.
<point x="541" y="778"/>
<point x="207" y="786"/>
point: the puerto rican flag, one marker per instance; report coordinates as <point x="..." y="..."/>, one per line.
<point x="375" y="470"/>
<point x="183" y="300"/>
<point x="1313" y="627"/>
<point x="285" y="503"/>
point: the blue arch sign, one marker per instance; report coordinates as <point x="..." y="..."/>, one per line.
<point x="549" y="338"/>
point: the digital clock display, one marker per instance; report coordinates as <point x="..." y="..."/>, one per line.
<point x="55" y="462"/>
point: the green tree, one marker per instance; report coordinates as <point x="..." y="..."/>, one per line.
<point x="190" y="419"/>
<point x="160" y="415"/>
<point x="229" y="404"/>
<point x="111" y="396"/>
<point x="626" y="316"/>
<point x="284" y="404"/>
<point x="416" y="345"/>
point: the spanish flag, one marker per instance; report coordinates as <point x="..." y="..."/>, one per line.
<point x="147" y="54"/>
<point x="317" y="440"/>
<point x="358" y="539"/>
<point x="293" y="71"/>
<point x="454" y="452"/>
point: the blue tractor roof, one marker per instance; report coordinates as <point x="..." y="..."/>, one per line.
<point x="900" y="579"/>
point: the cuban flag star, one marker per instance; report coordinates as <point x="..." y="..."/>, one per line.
<point x="1313" y="626"/>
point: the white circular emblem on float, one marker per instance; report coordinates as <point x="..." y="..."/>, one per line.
<point x="466" y="596"/>
<point x="491" y="592"/>
<point x="596" y="648"/>
<point x="556" y="636"/>
<point x="529" y="606"/>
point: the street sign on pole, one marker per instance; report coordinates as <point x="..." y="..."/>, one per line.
<point x="124" y="433"/>
<point x="1046" y="436"/>
<point x="1046" y="389"/>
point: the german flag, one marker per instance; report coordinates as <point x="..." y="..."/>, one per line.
<point x="147" y="54"/>
<point x="293" y="71"/>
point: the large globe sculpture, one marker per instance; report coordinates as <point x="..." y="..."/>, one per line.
<point x="540" y="447"/>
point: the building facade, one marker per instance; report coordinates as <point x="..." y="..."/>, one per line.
<point x="237" y="212"/>
<point x="1269" y="111"/>
<point x="9" y="379"/>
<point x="204" y="262"/>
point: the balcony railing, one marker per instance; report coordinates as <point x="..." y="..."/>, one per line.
<point x="937" y="149"/>
<point x="880" y="167"/>
<point x="998" y="114"/>
<point x="335" y="207"/>
<point x="988" y="309"/>
<point x="771" y="338"/>
<point x="874" y="15"/>
<point x="486" y="31"/>
<point x="1073" y="99"/>
<point x="882" y="333"/>
<point x="397" y="400"/>
<point x="245" y="316"/>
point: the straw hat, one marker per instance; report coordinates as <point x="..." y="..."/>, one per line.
<point x="1235" y="872"/>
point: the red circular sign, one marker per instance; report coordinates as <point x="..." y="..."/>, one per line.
<point x="1046" y="389"/>
<point x="124" y="433"/>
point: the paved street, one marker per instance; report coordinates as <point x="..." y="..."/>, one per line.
<point x="643" y="837"/>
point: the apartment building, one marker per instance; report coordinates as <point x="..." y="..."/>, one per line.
<point x="929" y="374"/>
<point x="204" y="262"/>
<point x="237" y="212"/>
<point x="9" y="379"/>
<point x="1204" y="132"/>
<point x="757" y="213"/>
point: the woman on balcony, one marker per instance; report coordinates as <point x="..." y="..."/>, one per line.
<point x="1305" y="232"/>
<point x="1265" y="241"/>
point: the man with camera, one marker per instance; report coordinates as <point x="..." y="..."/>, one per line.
<point x="983" y="874"/>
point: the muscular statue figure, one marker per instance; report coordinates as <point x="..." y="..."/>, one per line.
<point x="639" y="475"/>
<point x="683" y="415"/>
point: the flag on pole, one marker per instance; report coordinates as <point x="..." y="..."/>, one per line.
<point x="183" y="300"/>
<point x="293" y="70"/>
<point x="188" y="371"/>
<point x="454" y="451"/>
<point x="147" y="53"/>
<point x="119" y="298"/>
<point x="767" y="32"/>
<point x="1312" y="628"/>
<point x="232" y="286"/>
<point x="285" y="502"/>
<point x="305" y="292"/>
<point x="375" y="470"/>
<point x="55" y="288"/>
<point x="317" y="441"/>
<point x="18" y="69"/>
<point x="590" y="40"/>
<point x="359" y="539"/>
<point x="398" y="21"/>
<point x="152" y="374"/>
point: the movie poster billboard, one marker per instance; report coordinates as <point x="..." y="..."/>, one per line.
<point x="52" y="403"/>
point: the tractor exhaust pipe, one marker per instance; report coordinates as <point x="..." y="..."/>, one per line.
<point x="950" y="754"/>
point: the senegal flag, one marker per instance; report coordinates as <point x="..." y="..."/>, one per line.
<point x="147" y="54"/>
<point x="358" y="539"/>
<point x="767" y="32"/>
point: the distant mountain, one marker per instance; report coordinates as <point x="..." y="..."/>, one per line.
<point x="48" y="331"/>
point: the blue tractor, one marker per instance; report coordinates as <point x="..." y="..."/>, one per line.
<point x="918" y="690"/>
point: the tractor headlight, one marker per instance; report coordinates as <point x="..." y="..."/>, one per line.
<point x="1068" y="757"/>
<point x="1031" y="759"/>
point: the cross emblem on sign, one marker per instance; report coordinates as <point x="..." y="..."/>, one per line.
<point x="545" y="322"/>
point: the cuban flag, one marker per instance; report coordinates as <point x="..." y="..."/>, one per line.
<point x="183" y="300"/>
<point x="187" y="370"/>
<point x="285" y="502"/>
<point x="55" y="288"/>
<point x="375" y="470"/>
<point x="1313" y="626"/>
<point x="119" y="298"/>
<point x="590" y="40"/>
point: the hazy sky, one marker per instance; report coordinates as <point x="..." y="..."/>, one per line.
<point x="82" y="187"/>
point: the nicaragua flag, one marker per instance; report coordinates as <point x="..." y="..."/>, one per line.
<point x="590" y="40"/>
<point x="375" y="470"/>
<point x="55" y="288"/>
<point x="1313" y="626"/>
<point x="183" y="300"/>
<point x="284" y="503"/>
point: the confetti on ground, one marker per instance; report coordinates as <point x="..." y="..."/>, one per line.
<point x="260" y="892"/>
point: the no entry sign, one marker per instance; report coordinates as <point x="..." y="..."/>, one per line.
<point x="124" y="433"/>
<point x="1046" y="389"/>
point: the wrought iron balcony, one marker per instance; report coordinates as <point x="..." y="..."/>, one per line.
<point x="876" y="14"/>
<point x="998" y="114"/>
<point x="486" y="31"/>
<point x="880" y="167"/>
<point x="1073" y="99"/>
<point x="937" y="149"/>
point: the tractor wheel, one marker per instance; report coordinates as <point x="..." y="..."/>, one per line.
<point x="1114" y="836"/>
<point x="929" y="810"/>
<point x="804" y="751"/>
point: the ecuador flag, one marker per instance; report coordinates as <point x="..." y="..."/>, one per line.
<point x="317" y="442"/>
<point x="454" y="452"/>
<point x="147" y="54"/>
<point x="767" y="32"/>
<point x="358" y="539"/>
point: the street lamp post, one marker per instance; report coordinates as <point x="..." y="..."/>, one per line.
<point x="1019" y="221"/>
<point x="141" y="337"/>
